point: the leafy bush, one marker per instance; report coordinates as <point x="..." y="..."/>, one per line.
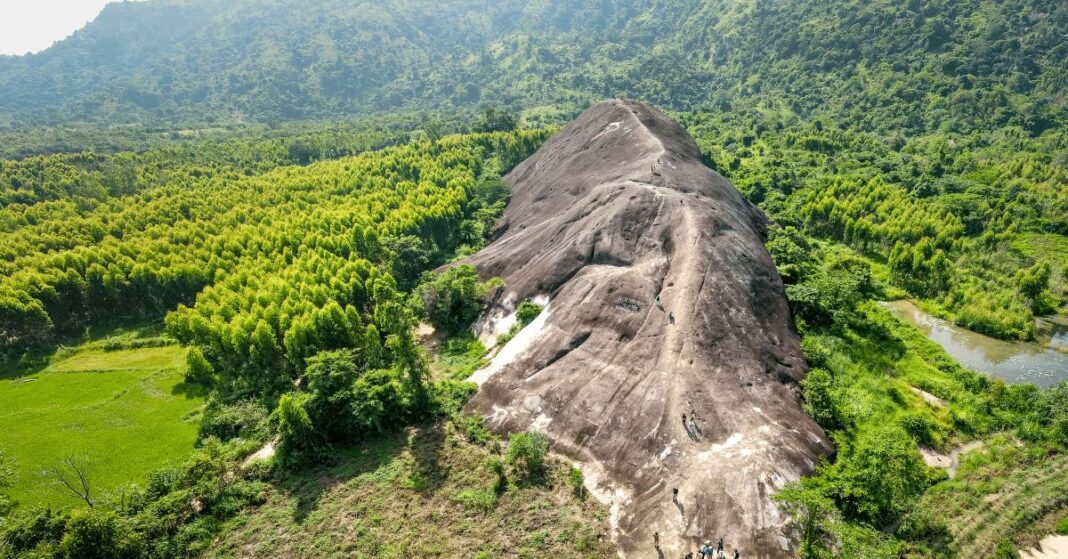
<point x="919" y="427"/>
<point x="452" y="300"/>
<point x="879" y="475"/>
<point x="473" y="428"/>
<point x="246" y="419"/>
<point x="97" y="534"/>
<point x="527" y="312"/>
<point x="526" y="453"/>
<point x="500" y="483"/>
<point x="820" y="403"/>
<point x="577" y="481"/>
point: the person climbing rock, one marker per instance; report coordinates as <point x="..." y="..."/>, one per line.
<point x="719" y="545"/>
<point x="674" y="494"/>
<point x="656" y="540"/>
<point x="671" y="317"/>
<point x="706" y="550"/>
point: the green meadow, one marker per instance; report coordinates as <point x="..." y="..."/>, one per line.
<point x="119" y="412"/>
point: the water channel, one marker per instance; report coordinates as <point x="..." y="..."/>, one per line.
<point x="1015" y="362"/>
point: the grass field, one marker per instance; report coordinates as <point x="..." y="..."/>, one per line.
<point x="999" y="493"/>
<point x="427" y="492"/>
<point x="121" y="413"/>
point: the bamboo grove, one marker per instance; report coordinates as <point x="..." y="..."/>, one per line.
<point x="259" y="270"/>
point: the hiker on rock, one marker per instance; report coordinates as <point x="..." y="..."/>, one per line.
<point x="656" y="540"/>
<point x="674" y="494"/>
<point x="719" y="545"/>
<point x="671" y="317"/>
<point x="706" y="550"/>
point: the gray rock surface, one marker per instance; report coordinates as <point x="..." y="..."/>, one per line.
<point x="613" y="214"/>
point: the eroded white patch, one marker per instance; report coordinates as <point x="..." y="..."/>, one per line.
<point x="541" y="423"/>
<point x="609" y="128"/>
<point x="515" y="347"/>
<point x="264" y="453"/>
<point x="731" y="441"/>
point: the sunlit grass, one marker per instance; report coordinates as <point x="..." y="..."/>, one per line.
<point x="120" y="412"/>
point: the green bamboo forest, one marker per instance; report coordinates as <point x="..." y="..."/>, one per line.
<point x="225" y="224"/>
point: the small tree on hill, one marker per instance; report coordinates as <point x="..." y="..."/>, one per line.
<point x="71" y="473"/>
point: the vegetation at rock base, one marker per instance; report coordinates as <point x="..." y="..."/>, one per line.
<point x="275" y="211"/>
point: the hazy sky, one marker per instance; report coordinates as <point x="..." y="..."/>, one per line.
<point x="33" y="25"/>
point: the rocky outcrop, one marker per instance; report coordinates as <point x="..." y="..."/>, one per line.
<point x="662" y="303"/>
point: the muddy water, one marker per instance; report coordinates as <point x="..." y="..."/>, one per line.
<point x="1015" y="362"/>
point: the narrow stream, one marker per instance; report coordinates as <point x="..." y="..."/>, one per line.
<point x="1014" y="362"/>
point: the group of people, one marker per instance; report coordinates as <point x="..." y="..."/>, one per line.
<point x="705" y="552"/>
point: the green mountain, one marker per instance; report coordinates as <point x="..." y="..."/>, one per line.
<point x="884" y="64"/>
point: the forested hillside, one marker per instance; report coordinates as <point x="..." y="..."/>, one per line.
<point x="890" y="66"/>
<point x="266" y="183"/>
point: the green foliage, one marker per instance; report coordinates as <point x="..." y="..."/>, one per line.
<point x="459" y="356"/>
<point x="526" y="453"/>
<point x="811" y="513"/>
<point x="473" y="429"/>
<point x="452" y="300"/>
<point x="527" y="312"/>
<point x="831" y="294"/>
<point x="175" y="515"/>
<point x="7" y="477"/>
<point x="496" y="465"/>
<point x="878" y="476"/>
<point x="1005" y="550"/>
<point x="246" y="419"/>
<point x="495" y="119"/>
<point x="1062" y="527"/>
<point x="482" y="500"/>
<point x="819" y="400"/>
<point x="93" y="534"/>
<point x="577" y="481"/>
<point x="198" y="370"/>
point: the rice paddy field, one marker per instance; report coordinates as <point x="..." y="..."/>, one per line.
<point x="115" y="408"/>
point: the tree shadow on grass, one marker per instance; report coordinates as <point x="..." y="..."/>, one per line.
<point x="427" y="444"/>
<point x="378" y="458"/>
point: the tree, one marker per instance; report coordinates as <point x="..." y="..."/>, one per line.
<point x="495" y="119"/>
<point x="93" y="534"/>
<point x="71" y="473"/>
<point x="198" y="370"/>
<point x="295" y="430"/>
<point x="452" y="300"/>
<point x="811" y="511"/>
<point x="878" y="476"/>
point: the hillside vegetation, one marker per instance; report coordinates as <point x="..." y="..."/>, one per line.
<point x="885" y="65"/>
<point x="268" y="183"/>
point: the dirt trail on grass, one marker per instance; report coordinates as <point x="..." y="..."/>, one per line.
<point x="663" y="302"/>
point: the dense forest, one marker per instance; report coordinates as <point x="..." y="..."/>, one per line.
<point x="270" y="182"/>
<point x="883" y="65"/>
